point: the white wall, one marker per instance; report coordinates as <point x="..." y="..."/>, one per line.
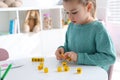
<point x="101" y="9"/>
<point x="39" y="3"/>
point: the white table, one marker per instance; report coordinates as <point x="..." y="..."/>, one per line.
<point x="29" y="71"/>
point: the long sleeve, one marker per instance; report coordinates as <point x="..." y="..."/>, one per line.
<point x="105" y="53"/>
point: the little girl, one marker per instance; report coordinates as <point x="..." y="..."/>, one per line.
<point x="87" y="41"/>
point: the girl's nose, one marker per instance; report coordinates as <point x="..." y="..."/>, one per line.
<point x="70" y="17"/>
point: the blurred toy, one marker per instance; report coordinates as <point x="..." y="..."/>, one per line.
<point x="36" y="59"/>
<point x="40" y="67"/>
<point x="64" y="64"/>
<point x="3" y="54"/>
<point x="47" y="22"/>
<point x="46" y="70"/>
<point x="79" y="70"/>
<point x="66" y="68"/>
<point x="63" y="56"/>
<point x="10" y="3"/>
<point x="32" y="21"/>
<point x="59" y="69"/>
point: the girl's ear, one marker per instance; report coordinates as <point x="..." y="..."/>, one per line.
<point x="89" y="6"/>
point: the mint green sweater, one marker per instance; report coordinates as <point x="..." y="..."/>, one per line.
<point x="92" y="44"/>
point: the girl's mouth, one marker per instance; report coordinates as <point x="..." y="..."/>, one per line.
<point x="74" y="21"/>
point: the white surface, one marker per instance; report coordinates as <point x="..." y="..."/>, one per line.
<point x="29" y="71"/>
<point x="32" y="44"/>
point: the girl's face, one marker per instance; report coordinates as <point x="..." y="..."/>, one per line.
<point x="77" y="13"/>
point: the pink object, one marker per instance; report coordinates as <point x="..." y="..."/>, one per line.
<point x="4" y="65"/>
<point x="3" y="54"/>
<point x="46" y="15"/>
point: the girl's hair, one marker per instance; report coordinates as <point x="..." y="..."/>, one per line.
<point x="84" y="3"/>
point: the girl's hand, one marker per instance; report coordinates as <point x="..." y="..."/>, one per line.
<point x="72" y="55"/>
<point x="58" y="53"/>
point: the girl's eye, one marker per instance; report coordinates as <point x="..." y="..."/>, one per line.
<point x="67" y="12"/>
<point x="74" y="12"/>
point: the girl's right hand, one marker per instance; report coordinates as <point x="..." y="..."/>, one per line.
<point x="58" y="53"/>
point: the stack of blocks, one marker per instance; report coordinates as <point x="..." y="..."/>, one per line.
<point x="41" y="65"/>
<point x="62" y="68"/>
<point x="67" y="68"/>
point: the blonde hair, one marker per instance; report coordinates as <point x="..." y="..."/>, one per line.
<point x="84" y="3"/>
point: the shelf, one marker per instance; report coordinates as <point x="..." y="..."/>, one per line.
<point x="19" y="14"/>
<point x="29" y="8"/>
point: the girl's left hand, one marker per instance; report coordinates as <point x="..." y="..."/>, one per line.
<point x="72" y="55"/>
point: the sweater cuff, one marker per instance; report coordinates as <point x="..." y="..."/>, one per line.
<point x="63" y="48"/>
<point x="80" y="58"/>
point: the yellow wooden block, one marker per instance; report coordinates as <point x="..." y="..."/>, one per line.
<point x="66" y="68"/>
<point x="38" y="59"/>
<point x="40" y="67"/>
<point x="45" y="70"/>
<point x="41" y="59"/>
<point x="33" y="59"/>
<point x="79" y="70"/>
<point x="68" y="59"/>
<point x="62" y="54"/>
<point x="64" y="63"/>
<point x="59" y="69"/>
